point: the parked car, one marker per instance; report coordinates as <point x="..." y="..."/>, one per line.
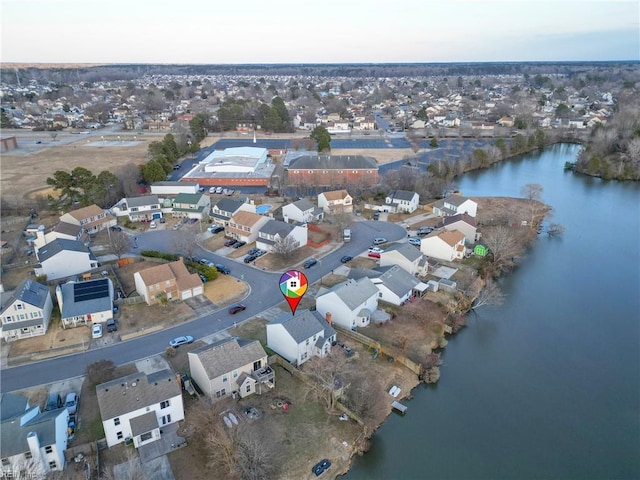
<point x="116" y="228"/>
<point x="415" y="241"/>
<point x="176" y="166"/>
<point x="320" y="467"/>
<point x="216" y="229"/>
<point x="96" y="331"/>
<point x="250" y="258"/>
<point x="376" y="215"/>
<point x="201" y="189"/>
<point x="112" y="325"/>
<point x="238" y="307"/>
<point x="153" y="224"/>
<point x="373" y="254"/>
<point x="379" y="240"/>
<point x="230" y="191"/>
<point x="163" y="220"/>
<point x="203" y="278"/>
<point x="222" y="269"/>
<point x="212" y="189"/>
<point x="206" y="262"/>
<point x="230" y="242"/>
<point x="310" y="263"/>
<point x="54" y="401"/>
<point x="424" y="231"/>
<point x="259" y="253"/>
<point x="71" y="403"/>
<point x="239" y="244"/>
<point x="346" y="258"/>
<point x="219" y="189"/>
<point x="253" y="251"/>
<point x="176" y="342"/>
<point x="375" y="250"/>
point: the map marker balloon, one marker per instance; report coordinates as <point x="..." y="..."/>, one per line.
<point x="293" y="285"/>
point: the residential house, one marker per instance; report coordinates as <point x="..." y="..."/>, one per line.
<point x="447" y="245"/>
<point x="39" y="236"/>
<point x="142" y="209"/>
<point x="92" y="218"/>
<point x="137" y="407"/>
<point x="246" y="225"/>
<point x="464" y="223"/>
<point x="170" y="281"/>
<point x="396" y="286"/>
<point x="506" y="122"/>
<point x="301" y="337"/>
<point x="226" y="208"/>
<point x="335" y="201"/>
<point x="192" y="205"/>
<point x="85" y="303"/>
<point x="63" y="258"/>
<point x="402" y="201"/>
<point x="229" y="366"/>
<point x="302" y="211"/>
<point x="350" y="303"/>
<point x="453" y="205"/>
<point x="406" y="256"/>
<point x="330" y="170"/>
<point x="25" y="312"/>
<point x="284" y="234"/>
<point x="31" y="441"/>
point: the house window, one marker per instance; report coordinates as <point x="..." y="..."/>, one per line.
<point x="5" y="462"/>
<point x="52" y="465"/>
<point x="116" y="421"/>
<point x="379" y="294"/>
<point x="28" y="455"/>
<point x="146" y="436"/>
<point x="235" y="373"/>
<point x="224" y="378"/>
<point x="48" y="449"/>
<point x="119" y="435"/>
<point x="8" y="318"/>
<point x="18" y="306"/>
<point x="25" y="330"/>
<point x="307" y="341"/>
<point x="221" y="393"/>
<point x="166" y="419"/>
<point x="164" y="404"/>
<point x="249" y="388"/>
<point x="257" y="365"/>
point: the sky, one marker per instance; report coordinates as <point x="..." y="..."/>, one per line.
<point x="321" y="31"/>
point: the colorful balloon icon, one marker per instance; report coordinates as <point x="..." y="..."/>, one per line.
<point x="293" y="285"/>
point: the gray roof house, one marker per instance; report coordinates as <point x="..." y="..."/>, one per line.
<point x="31" y="440"/>
<point x="231" y="365"/>
<point x="274" y="230"/>
<point x="26" y="312"/>
<point x="349" y="304"/>
<point x="406" y="256"/>
<point x="226" y="208"/>
<point x="403" y="201"/>
<point x="397" y="286"/>
<point x="139" y="406"/>
<point x="300" y="337"/>
<point x="302" y="211"/>
<point x="64" y="258"/>
<point x="144" y="208"/>
<point x="85" y="303"/>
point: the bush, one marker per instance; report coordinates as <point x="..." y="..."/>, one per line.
<point x="101" y="371"/>
<point x="170" y="352"/>
<point x="155" y="254"/>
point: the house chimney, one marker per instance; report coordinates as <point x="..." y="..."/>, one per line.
<point x="328" y="317"/>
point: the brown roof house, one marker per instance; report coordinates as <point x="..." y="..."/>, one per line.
<point x="335" y="201"/>
<point x="447" y="245"/>
<point x="246" y="225"/>
<point x="231" y="366"/>
<point x="170" y="281"/>
<point x="92" y="218"/>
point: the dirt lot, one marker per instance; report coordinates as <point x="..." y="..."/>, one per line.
<point x="492" y="210"/>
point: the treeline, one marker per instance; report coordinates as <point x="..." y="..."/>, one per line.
<point x="613" y="150"/>
<point x="273" y="118"/>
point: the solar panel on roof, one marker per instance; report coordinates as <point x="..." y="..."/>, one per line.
<point x="91" y="290"/>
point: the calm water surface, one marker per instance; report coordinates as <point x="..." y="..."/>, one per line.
<point x="546" y="386"/>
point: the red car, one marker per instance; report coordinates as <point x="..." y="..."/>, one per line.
<point x="374" y="254"/>
<point x="237" y="308"/>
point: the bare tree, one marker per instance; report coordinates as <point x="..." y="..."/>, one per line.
<point x="367" y="398"/>
<point x="120" y="243"/>
<point x="284" y="247"/>
<point x="504" y="244"/>
<point x="184" y="243"/>
<point x="555" y="229"/>
<point x="328" y="374"/>
<point x="533" y="193"/>
<point x="129" y="176"/>
<point x="131" y="469"/>
<point x="491" y="294"/>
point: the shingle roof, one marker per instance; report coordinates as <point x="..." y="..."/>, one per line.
<point x="228" y="355"/>
<point x="188" y="198"/>
<point x="75" y="304"/>
<point x="86" y="212"/>
<point x="273" y="227"/>
<point x="12" y="405"/>
<point x="142" y="201"/>
<point x="228" y="205"/>
<point x="335" y="195"/>
<point x="305" y="325"/>
<point x="169" y="271"/>
<point x="29" y="291"/>
<point x="402" y="195"/>
<point x="247" y="219"/>
<point x="303" y="204"/>
<point x="460" y="217"/>
<point x="62" y="244"/>
<point x="13" y="436"/>
<point x="65" y="228"/>
<point x="135" y="391"/>
<point x="450" y="237"/>
<point x="456" y="200"/>
<point x="355" y="292"/>
<point x="332" y="162"/>
<point x="407" y="250"/>
<point x="398" y="280"/>
<point x="143" y="423"/>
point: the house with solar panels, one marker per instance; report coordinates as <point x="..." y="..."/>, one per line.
<point x="26" y="311"/>
<point x="85" y="303"/>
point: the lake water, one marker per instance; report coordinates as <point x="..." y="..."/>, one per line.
<point x="547" y="385"/>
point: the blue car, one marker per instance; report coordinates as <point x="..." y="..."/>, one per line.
<point x="415" y="241"/>
<point x="310" y="263"/>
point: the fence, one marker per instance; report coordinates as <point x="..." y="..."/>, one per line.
<point x="318" y="230"/>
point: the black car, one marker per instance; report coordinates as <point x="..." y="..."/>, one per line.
<point x="216" y="229"/>
<point x="376" y="215"/>
<point x="230" y="242"/>
<point x="237" y="308"/>
<point x="253" y="251"/>
<point x="249" y="258"/>
<point x="424" y="231"/>
<point x="310" y="263"/>
<point x="222" y="269"/>
<point x="116" y="228"/>
<point x="346" y="258"/>
<point x="112" y="326"/>
<point x="239" y="244"/>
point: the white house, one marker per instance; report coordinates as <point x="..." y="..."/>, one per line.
<point x="85" y="303"/>
<point x="192" y="205"/>
<point x="447" y="245"/>
<point x="403" y="201"/>
<point x="302" y="211"/>
<point x="25" y="312"/>
<point x="300" y="337"/>
<point x="275" y="231"/>
<point x="137" y="407"/>
<point x="31" y="441"/>
<point x="41" y="236"/>
<point x="246" y="225"/>
<point x="140" y="209"/>
<point x="406" y="256"/>
<point x="349" y="303"/>
<point x="231" y="365"/>
<point x="396" y="286"/>
<point x="64" y="258"/>
<point x="226" y="208"/>
<point x="335" y="201"/>
<point x="91" y="218"/>
<point x="463" y="223"/>
<point x="453" y="205"/>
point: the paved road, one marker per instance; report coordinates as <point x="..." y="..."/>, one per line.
<point x="265" y="293"/>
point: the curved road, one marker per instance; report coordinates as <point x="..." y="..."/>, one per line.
<point x="265" y="293"/>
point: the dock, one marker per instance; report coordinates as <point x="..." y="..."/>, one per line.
<point x="397" y="406"/>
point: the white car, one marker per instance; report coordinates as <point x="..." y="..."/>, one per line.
<point x="219" y="190"/>
<point x="212" y="189"/>
<point x="375" y="250"/>
<point x="96" y="331"/>
<point x="153" y="224"/>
